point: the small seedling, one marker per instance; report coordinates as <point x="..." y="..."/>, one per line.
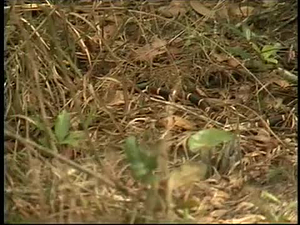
<point x="207" y="139"/>
<point x="268" y="53"/>
<point x="62" y="132"/>
<point x="142" y="164"/>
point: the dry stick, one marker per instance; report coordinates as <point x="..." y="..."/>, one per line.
<point x="125" y="93"/>
<point x="99" y="102"/>
<point x="30" y="36"/>
<point x="206" y="119"/>
<point x="115" y="184"/>
<point x="59" y="157"/>
<point x="264" y="123"/>
<point x="77" y="34"/>
<point x="39" y="93"/>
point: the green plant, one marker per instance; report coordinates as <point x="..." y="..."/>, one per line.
<point x="268" y="53"/>
<point x="143" y="164"/>
<point x="207" y="139"/>
<point x="62" y="131"/>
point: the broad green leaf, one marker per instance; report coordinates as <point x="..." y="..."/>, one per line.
<point x="62" y="125"/>
<point x="269" y="50"/>
<point x="139" y="169"/>
<point x="131" y="149"/>
<point x="141" y="164"/>
<point x="208" y="138"/>
<point x="149" y="161"/>
<point x="73" y="138"/>
<point x="271" y="60"/>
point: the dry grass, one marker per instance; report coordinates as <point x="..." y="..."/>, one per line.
<point x="87" y="57"/>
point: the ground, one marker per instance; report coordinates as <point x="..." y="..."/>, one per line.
<point x="103" y="100"/>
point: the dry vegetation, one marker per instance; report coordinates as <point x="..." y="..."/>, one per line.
<point x="87" y="58"/>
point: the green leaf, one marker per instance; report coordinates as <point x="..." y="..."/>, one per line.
<point x="141" y="164"/>
<point x="271" y="60"/>
<point x="268" y="196"/>
<point x="234" y="30"/>
<point x="208" y="138"/>
<point x="255" y="47"/>
<point x="269" y="50"/>
<point x="131" y="149"/>
<point x="62" y="125"/>
<point x="247" y="32"/>
<point x="73" y="138"/>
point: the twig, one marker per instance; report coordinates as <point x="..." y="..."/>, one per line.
<point x="59" y="157"/>
<point x="204" y="118"/>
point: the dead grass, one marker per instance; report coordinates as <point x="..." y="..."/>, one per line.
<point x="87" y="58"/>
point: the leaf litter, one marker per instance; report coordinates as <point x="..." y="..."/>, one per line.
<point x="149" y="51"/>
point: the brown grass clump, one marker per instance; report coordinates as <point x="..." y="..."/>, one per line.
<point x="87" y="58"/>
